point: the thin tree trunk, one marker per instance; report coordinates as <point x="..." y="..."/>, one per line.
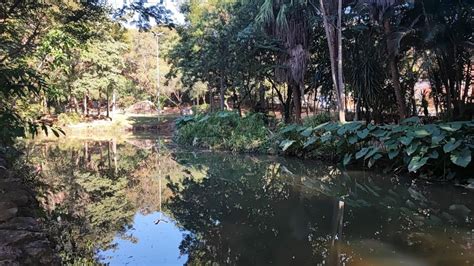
<point x="297" y="102"/>
<point x="395" y="75"/>
<point x="261" y="95"/>
<point x="414" y="111"/>
<point x="341" y="87"/>
<point x="114" y="101"/>
<point x="335" y="53"/>
<point x="107" y="103"/>
<point x="211" y="100"/>
<point x="74" y="99"/>
<point x="287" y="106"/>
<point x="222" y="91"/>
<point x="86" y="102"/>
<point x="98" y="104"/>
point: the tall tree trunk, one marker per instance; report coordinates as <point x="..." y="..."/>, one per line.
<point x="340" y="77"/>
<point x="335" y="50"/>
<point x="287" y="106"/>
<point x="211" y="100"/>
<point x="98" y="104"/>
<point x="414" y="111"/>
<point x="107" y="103"/>
<point x="261" y="99"/>
<point x="296" y="101"/>
<point x="394" y="73"/>
<point x="114" y="101"/>
<point x="86" y="110"/>
<point x="74" y="99"/>
<point x="222" y="92"/>
<point x="45" y="104"/>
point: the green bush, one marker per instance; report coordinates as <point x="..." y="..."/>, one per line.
<point x="223" y="130"/>
<point x="434" y="149"/>
<point x="68" y="118"/>
<point x="316" y="119"/>
<point x="199" y="109"/>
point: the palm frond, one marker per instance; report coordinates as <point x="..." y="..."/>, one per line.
<point x="265" y="14"/>
<point x="282" y="21"/>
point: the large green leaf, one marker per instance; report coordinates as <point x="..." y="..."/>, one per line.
<point x="205" y="118"/>
<point x="393" y="154"/>
<point x="362" y="153"/>
<point x="288" y="128"/>
<point x="379" y="133"/>
<point x="321" y="126"/>
<point x="362" y="134"/>
<point x="461" y="158"/>
<point x="451" y="127"/>
<point x="347" y="159"/>
<point x="352" y="139"/>
<point x="412" y="148"/>
<point x="348" y="127"/>
<point x="406" y="140"/>
<point x="307" y="132"/>
<point x="436" y="139"/>
<point x="416" y="163"/>
<point x="373" y="159"/>
<point x="371" y="153"/>
<point x="451" y="145"/>
<point x="421" y="133"/>
<point x="326" y="137"/>
<point x="310" y="141"/>
<point x="285" y="144"/>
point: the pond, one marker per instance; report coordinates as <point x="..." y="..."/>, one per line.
<point x="139" y="201"/>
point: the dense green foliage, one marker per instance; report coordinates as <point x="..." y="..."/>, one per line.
<point x="224" y="130"/>
<point x="435" y="150"/>
<point x="254" y="52"/>
<point x="61" y="57"/>
<point x="438" y="150"/>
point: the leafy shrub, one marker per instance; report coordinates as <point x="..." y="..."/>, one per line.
<point x="199" y="109"/>
<point x="226" y="130"/>
<point x="68" y="118"/>
<point x="438" y="149"/>
<point x="316" y="119"/>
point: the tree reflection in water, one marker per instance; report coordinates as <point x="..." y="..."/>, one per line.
<point x="246" y="210"/>
<point x="254" y="211"/>
<point x="93" y="189"/>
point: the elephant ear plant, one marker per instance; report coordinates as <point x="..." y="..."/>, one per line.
<point x="441" y="150"/>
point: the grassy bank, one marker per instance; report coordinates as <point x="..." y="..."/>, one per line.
<point x="436" y="151"/>
<point x="119" y="126"/>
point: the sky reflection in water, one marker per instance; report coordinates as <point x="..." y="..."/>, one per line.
<point x="157" y="244"/>
<point x="242" y="209"/>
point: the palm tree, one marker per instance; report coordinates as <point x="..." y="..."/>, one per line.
<point x="380" y="11"/>
<point x="290" y="25"/>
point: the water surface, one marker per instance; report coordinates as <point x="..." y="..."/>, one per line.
<point x="139" y="202"/>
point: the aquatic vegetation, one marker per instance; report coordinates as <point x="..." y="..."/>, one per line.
<point x="440" y="149"/>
